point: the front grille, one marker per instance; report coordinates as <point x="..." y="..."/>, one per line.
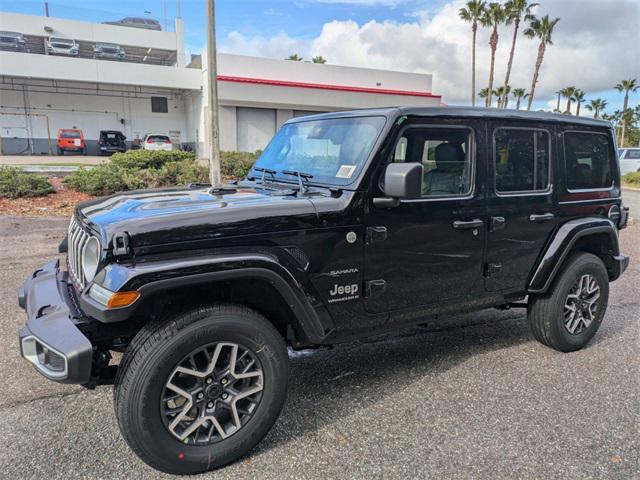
<point x="77" y="239"/>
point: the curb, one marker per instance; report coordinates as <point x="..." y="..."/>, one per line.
<point x="632" y="189"/>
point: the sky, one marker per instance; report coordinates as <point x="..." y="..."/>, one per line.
<point x="595" y="42"/>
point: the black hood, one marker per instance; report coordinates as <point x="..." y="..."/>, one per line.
<point x="155" y="217"/>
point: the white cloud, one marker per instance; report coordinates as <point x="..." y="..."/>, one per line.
<point x="593" y="47"/>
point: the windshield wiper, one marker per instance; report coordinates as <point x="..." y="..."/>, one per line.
<point x="302" y="178"/>
<point x="264" y="172"/>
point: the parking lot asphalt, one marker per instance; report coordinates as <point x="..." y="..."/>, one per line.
<point x="478" y="398"/>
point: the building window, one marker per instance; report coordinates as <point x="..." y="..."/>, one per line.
<point x="588" y="158"/>
<point x="159" y="105"/>
<point x="255" y="127"/>
<point x="521" y="160"/>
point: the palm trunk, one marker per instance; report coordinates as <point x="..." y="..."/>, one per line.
<point x="516" y="25"/>
<point x="569" y="105"/>
<point x="518" y="104"/>
<point x="505" y="101"/>
<point x="474" y="27"/>
<point x="536" y="72"/>
<point x="624" y="117"/>
<point x="578" y="110"/>
<point x="493" y="43"/>
<point x="558" y="104"/>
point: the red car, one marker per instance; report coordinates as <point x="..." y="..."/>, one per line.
<point x="71" y="140"/>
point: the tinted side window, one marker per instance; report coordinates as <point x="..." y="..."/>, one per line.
<point x="445" y="154"/>
<point x="588" y="159"/>
<point x="521" y="160"/>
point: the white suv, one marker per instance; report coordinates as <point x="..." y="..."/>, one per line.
<point x="62" y="46"/>
<point x="157" y="141"/>
<point x="629" y="160"/>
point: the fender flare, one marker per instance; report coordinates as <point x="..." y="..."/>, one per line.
<point x="561" y="244"/>
<point x="153" y="278"/>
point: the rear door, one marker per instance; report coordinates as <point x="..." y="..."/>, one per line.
<point x="521" y="207"/>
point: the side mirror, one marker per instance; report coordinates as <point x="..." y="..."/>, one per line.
<point x="401" y="181"/>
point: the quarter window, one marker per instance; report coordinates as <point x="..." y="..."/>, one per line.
<point x="588" y="158"/>
<point x="445" y="156"/>
<point x="521" y="160"/>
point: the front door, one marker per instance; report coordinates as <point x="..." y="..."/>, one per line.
<point x="520" y="202"/>
<point x="430" y="250"/>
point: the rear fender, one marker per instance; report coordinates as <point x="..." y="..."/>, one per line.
<point x="564" y="241"/>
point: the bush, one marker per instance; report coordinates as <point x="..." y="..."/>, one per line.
<point x="15" y="183"/>
<point x="237" y="164"/>
<point x="632" y="179"/>
<point x="148" y="169"/>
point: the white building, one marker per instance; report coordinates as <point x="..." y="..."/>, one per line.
<point x="152" y="91"/>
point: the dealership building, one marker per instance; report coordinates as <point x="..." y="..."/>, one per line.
<point x="152" y="89"/>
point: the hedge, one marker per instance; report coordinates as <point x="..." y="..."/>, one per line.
<point x="15" y="183"/>
<point x="137" y="169"/>
<point x="632" y="179"/>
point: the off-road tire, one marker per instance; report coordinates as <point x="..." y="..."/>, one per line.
<point x="152" y="356"/>
<point x="546" y="312"/>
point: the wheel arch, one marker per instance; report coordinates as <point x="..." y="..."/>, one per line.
<point x="594" y="235"/>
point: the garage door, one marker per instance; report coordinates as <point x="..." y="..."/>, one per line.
<point x="256" y="126"/>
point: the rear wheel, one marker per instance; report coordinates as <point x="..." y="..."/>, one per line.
<point x="200" y="390"/>
<point x="570" y="313"/>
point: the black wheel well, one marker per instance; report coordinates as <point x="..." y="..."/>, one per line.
<point x="255" y="293"/>
<point x="599" y="244"/>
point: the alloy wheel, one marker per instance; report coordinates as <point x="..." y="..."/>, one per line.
<point x="212" y="393"/>
<point x="582" y="304"/>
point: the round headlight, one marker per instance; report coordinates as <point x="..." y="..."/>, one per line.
<point x="90" y="258"/>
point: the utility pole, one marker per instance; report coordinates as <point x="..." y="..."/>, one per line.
<point x="212" y="82"/>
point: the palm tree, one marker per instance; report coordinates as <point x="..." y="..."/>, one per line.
<point x="568" y="92"/>
<point x="505" y="96"/>
<point x="319" y="59"/>
<point x="578" y="97"/>
<point x="596" y="106"/>
<point x="493" y="16"/>
<point x="541" y="28"/>
<point x="519" y="94"/>
<point x="499" y="93"/>
<point x="294" y="57"/>
<point x="626" y="86"/>
<point x="472" y="13"/>
<point x="484" y="93"/>
<point x="516" y="11"/>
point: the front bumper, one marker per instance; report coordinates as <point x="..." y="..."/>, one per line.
<point x="50" y="340"/>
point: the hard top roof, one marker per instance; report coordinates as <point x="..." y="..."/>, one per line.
<point x="470" y="112"/>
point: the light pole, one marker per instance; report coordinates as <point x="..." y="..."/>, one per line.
<point x="212" y="82"/>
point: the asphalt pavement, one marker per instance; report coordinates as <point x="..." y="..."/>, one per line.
<point x="476" y="399"/>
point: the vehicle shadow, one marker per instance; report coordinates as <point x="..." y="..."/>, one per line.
<point x="328" y="385"/>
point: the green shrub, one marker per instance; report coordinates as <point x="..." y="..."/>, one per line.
<point x="237" y="164"/>
<point x="146" y="159"/>
<point x="101" y="180"/>
<point x="632" y="179"/>
<point x="15" y="183"/>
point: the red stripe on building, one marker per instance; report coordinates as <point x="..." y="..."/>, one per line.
<point x="323" y="86"/>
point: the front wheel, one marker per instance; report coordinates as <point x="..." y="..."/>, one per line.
<point x="199" y="391"/>
<point x="570" y="313"/>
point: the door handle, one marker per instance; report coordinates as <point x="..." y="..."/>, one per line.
<point x="497" y="223"/>
<point x="543" y="217"/>
<point x="460" y="225"/>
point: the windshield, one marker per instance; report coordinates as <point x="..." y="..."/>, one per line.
<point x="331" y="150"/>
<point x="69" y="134"/>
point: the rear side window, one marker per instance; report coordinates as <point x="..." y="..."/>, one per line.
<point x="588" y="158"/>
<point x="634" y="154"/>
<point x="521" y="160"/>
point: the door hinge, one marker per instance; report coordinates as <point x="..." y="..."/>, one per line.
<point x="490" y="269"/>
<point x="375" y="287"/>
<point x="376" y="234"/>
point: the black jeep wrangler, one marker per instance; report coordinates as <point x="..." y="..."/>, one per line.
<point x="350" y="224"/>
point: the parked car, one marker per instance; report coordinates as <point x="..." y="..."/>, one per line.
<point x="71" y="140"/>
<point x="350" y="224"/>
<point x="157" y="141"/>
<point x="62" y="46"/>
<point x="629" y="160"/>
<point x="13" y="41"/>
<point x="111" y="141"/>
<point x="108" y="51"/>
<point x="137" y="22"/>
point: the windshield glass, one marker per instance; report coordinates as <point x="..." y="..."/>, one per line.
<point x="69" y="134"/>
<point x="332" y="150"/>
